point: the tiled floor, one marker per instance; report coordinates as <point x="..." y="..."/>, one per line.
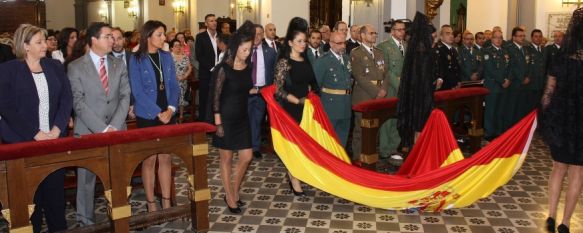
<point x="519" y="206"/>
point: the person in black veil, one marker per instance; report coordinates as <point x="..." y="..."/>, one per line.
<point x="562" y="104"/>
<point x="418" y="80"/>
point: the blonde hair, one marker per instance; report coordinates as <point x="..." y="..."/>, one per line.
<point x="22" y="36"/>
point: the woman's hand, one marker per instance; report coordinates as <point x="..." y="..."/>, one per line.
<point x="220" y="131"/>
<point x="42" y="136"/>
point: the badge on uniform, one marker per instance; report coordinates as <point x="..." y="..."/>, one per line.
<point x="478" y="58"/>
<point x="448" y="57"/>
<point x="366" y="70"/>
<point x="365" y="58"/>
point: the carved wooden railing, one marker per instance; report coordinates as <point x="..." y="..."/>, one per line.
<point x="113" y="157"/>
<point x="375" y="112"/>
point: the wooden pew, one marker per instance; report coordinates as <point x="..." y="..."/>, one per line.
<point x="376" y="112"/>
<point x="112" y="157"/>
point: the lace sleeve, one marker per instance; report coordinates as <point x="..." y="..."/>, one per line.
<point x="281" y="73"/>
<point x="219" y="82"/>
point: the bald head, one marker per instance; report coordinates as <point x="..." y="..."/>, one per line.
<point x="270" y="31"/>
<point x="368" y="35"/>
<point x="558" y="37"/>
<point x="338" y="42"/>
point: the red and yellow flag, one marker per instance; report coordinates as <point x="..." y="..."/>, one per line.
<point x="434" y="177"/>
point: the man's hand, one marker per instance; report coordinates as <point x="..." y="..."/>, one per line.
<point x="474" y="77"/>
<point x="382" y="93"/>
<point x="526" y="81"/>
<point x="438" y="84"/>
<point x="506" y="83"/>
<point x="131" y="113"/>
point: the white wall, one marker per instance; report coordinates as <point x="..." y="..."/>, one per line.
<point x="221" y="8"/>
<point x="120" y="17"/>
<point x="265" y="12"/>
<point x="165" y="14"/>
<point x="93" y="9"/>
<point x="544" y="7"/>
<point x="484" y="15"/>
<point x="284" y="10"/>
<point x="60" y="14"/>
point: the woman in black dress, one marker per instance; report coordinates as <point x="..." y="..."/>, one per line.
<point x="294" y="78"/>
<point x="563" y="122"/>
<point x="231" y="88"/>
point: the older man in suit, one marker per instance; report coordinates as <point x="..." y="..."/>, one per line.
<point x="101" y="98"/>
<point x="271" y="37"/>
<point x="354" y="40"/>
<point x="368" y="69"/>
<point x="207" y="55"/>
<point x="449" y="67"/>
<point x="263" y="62"/>
<point x="394" y="55"/>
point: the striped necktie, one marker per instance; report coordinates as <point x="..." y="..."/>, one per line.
<point x="103" y="75"/>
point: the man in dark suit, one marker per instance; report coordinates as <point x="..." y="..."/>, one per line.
<point x="101" y="99"/>
<point x="207" y="55"/>
<point x="118" y="50"/>
<point x="354" y="40"/>
<point x="263" y="62"/>
<point x="314" y="51"/>
<point x="449" y="67"/>
<point x="271" y="37"/>
<point x="325" y="31"/>
<point x="551" y="50"/>
<point x="5" y="53"/>
<point x="480" y="39"/>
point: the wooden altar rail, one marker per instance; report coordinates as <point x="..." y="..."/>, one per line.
<point x="113" y="157"/>
<point x="375" y="112"/>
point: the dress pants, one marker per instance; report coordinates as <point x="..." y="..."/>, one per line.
<point x="356" y="136"/>
<point x="85" y="197"/>
<point x="389" y="138"/>
<point x="342" y="127"/>
<point x="256" y="111"/>
<point x="203" y="97"/>
<point x="49" y="199"/>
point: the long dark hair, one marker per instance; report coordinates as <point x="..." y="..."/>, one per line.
<point x="64" y="39"/>
<point x="245" y="33"/>
<point x="147" y="30"/>
<point x="572" y="41"/>
<point x="296" y="26"/>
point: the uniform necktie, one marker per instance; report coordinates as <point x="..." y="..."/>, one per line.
<point x="538" y="48"/>
<point x="254" y="71"/>
<point x="401" y="49"/>
<point x="341" y="60"/>
<point x="273" y="45"/>
<point x="103" y="75"/>
<point x="316" y="53"/>
<point x="471" y="51"/>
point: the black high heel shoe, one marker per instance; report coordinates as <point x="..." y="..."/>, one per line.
<point x="563" y="229"/>
<point x="235" y="210"/>
<point x="296" y="193"/>
<point x="550" y="225"/>
<point x="240" y="203"/>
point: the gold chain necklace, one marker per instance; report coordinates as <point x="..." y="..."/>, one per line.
<point x="159" y="68"/>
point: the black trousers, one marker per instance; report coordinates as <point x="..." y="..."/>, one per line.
<point x="49" y="199"/>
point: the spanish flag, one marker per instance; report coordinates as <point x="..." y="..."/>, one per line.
<point x="434" y="177"/>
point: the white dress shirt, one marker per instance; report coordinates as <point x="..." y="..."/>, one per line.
<point x="42" y="88"/>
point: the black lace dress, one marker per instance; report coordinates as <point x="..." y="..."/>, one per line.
<point x="230" y="94"/>
<point x="301" y="81"/>
<point x="563" y="118"/>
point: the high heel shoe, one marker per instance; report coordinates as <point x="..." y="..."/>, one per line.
<point x="550" y="225"/>
<point x="296" y="193"/>
<point x="240" y="203"/>
<point x="563" y="229"/>
<point x="235" y="210"/>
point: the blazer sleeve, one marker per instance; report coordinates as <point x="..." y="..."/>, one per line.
<point x="141" y="98"/>
<point x="172" y="83"/>
<point x="10" y="111"/>
<point x="203" y="59"/>
<point x="319" y="71"/>
<point x="118" y="119"/>
<point x="82" y="110"/>
<point x="65" y="106"/>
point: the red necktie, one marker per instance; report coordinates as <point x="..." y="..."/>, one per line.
<point x="273" y="45"/>
<point x="103" y="75"/>
<point x="254" y="71"/>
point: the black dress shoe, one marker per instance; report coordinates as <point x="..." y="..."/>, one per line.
<point x="296" y="193"/>
<point x="563" y="229"/>
<point x="235" y="210"/>
<point x="240" y="203"/>
<point x="550" y="225"/>
<point x="257" y="154"/>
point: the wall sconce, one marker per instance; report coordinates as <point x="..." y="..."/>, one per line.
<point x="133" y="9"/>
<point x="103" y="14"/>
<point x="573" y="2"/>
<point x="179" y="6"/>
<point x="245" y="6"/>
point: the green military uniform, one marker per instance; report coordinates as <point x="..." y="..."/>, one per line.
<point x="394" y="56"/>
<point x="537" y="76"/>
<point x="496" y="61"/>
<point x="312" y="57"/>
<point x="369" y="74"/>
<point x="335" y="82"/>
<point x="515" y="106"/>
<point x="471" y="62"/>
<point x="550" y="52"/>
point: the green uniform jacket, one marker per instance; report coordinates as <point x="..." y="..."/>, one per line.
<point x="519" y="65"/>
<point x="537" y="68"/>
<point x="365" y="69"/>
<point x="394" y="60"/>
<point x="471" y="62"/>
<point x="312" y="57"/>
<point x="496" y="63"/>
<point x="332" y="74"/>
<point x="549" y="53"/>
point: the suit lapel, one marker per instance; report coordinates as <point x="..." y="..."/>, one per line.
<point x="93" y="73"/>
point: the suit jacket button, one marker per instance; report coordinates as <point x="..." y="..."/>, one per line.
<point x="108" y="102"/>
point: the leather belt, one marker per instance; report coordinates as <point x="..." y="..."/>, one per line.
<point x="336" y="91"/>
<point x="377" y="82"/>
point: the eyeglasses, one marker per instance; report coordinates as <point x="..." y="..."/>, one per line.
<point x="372" y="33"/>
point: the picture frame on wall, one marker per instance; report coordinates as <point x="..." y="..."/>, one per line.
<point x="161" y="2"/>
<point x="557" y="22"/>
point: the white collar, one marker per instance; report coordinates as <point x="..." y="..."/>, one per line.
<point x="96" y="57"/>
<point x="369" y="49"/>
<point x="477" y="45"/>
<point x="335" y="54"/>
<point x="558" y="46"/>
<point x="396" y="41"/>
<point x="116" y="54"/>
<point x="353" y="41"/>
<point x="446" y="45"/>
<point x="495" y="47"/>
<point x="211" y="36"/>
<point x="519" y="46"/>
